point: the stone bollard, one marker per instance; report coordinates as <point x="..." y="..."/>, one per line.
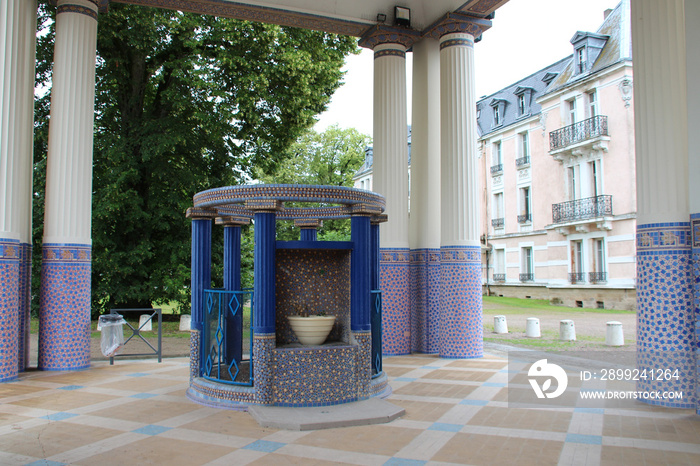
<point x="532" y="328"/>
<point x="613" y="334"/>
<point x="567" y="332"/>
<point x="148" y="327"/>
<point x="499" y="324"/>
<point x="185" y="322"/>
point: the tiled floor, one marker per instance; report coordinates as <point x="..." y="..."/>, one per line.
<point x="136" y="413"/>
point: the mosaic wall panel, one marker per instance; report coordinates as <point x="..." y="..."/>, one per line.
<point x="425" y="299"/>
<point x="9" y="308"/>
<point x="363" y="372"/>
<point x="218" y="395"/>
<point x="263" y="359"/>
<point x="695" y="232"/>
<point x="25" y="296"/>
<point x="317" y="280"/>
<point x="461" y="325"/>
<point x="64" y="330"/>
<point x="394" y="282"/>
<point x="665" y="315"/>
<point x="195" y="348"/>
<point x="314" y="376"/>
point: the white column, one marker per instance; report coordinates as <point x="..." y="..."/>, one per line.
<point x="692" y="36"/>
<point x="424" y="221"/>
<point x="69" y="162"/>
<point x="64" y="336"/>
<point x="665" y="311"/>
<point x="390" y="172"/>
<point x="460" y="180"/>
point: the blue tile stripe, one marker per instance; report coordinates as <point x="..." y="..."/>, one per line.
<point x="264" y="446"/>
<point x="444" y="427"/>
<point x="151" y="429"/>
<point x="71" y="387"/>
<point x="586" y="439"/>
<point x="474" y="402"/>
<point x="62" y="416"/>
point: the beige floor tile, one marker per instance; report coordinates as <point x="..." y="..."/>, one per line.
<point x="230" y="422"/>
<point x="6" y="419"/>
<point x="413" y="360"/>
<point x="52" y="438"/>
<point x="64" y="400"/>
<point x="479" y="364"/>
<point x="377" y="439"/>
<point x="276" y="459"/>
<point x="491" y="450"/>
<point x="140" y="384"/>
<point x="615" y="456"/>
<point x="529" y="419"/>
<point x="13" y="389"/>
<point x="158" y="451"/>
<point x="465" y="376"/>
<point x="148" y="411"/>
<point x="435" y="390"/>
<point x="396" y="371"/>
<point x="685" y="429"/>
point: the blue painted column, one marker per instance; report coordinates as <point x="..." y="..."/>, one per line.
<point x="264" y="339"/>
<point x="374" y="255"/>
<point x="309" y="228"/>
<point x="232" y="282"/>
<point x="200" y="280"/>
<point x="360" y="272"/>
<point x="309" y="234"/>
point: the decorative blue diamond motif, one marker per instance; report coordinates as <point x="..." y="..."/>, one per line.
<point x="233" y="364"/>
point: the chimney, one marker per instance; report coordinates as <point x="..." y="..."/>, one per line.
<point x="606" y="13"/>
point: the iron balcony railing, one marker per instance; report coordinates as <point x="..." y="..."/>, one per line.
<point x="525" y="218"/>
<point x="497" y="169"/>
<point x="522" y="161"/>
<point x="598" y="277"/>
<point x="587" y="129"/>
<point x="582" y="209"/>
<point x="498" y="222"/>
<point x="527" y="277"/>
<point x="577" y="277"/>
<point x="499" y="277"/>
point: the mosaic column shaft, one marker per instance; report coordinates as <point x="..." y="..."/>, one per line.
<point x="17" y="43"/>
<point x="666" y="315"/>
<point x="390" y="179"/>
<point x="200" y="280"/>
<point x="360" y="274"/>
<point x="232" y="282"/>
<point x="460" y="267"/>
<point x="424" y="222"/>
<point x="64" y="335"/>
<point x="309" y="234"/>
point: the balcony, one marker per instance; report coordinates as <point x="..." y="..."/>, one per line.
<point x="585" y="130"/>
<point x="522" y="162"/>
<point x="496" y="169"/>
<point x="527" y="218"/>
<point x="598" y="277"/>
<point x="527" y="277"/>
<point x="498" y="222"/>
<point x="577" y="277"/>
<point x="582" y="209"/>
<point x="499" y="277"/>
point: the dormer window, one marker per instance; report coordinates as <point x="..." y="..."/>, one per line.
<point x="496" y="116"/>
<point x="587" y="48"/>
<point x="524" y="95"/>
<point x="499" y="108"/>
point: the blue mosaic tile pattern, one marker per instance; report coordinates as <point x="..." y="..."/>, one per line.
<point x="219" y="395"/>
<point x="425" y="300"/>
<point x="665" y="315"/>
<point x="9" y="308"/>
<point x="25" y="296"/>
<point x="695" y="232"/>
<point x="314" y="376"/>
<point x="461" y="325"/>
<point x="263" y="357"/>
<point x="396" y="310"/>
<point x="315" y="279"/>
<point x="195" y="345"/>
<point x="363" y="369"/>
<point x="64" y="330"/>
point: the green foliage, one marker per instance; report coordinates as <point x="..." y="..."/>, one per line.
<point x="185" y="103"/>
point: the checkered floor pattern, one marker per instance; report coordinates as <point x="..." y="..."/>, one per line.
<point x="135" y="412"/>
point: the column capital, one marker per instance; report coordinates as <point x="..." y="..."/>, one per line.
<point x="383" y="34"/>
<point x="102" y="5"/>
<point x="364" y="210"/>
<point x="232" y="221"/>
<point x="459" y="23"/>
<point x="196" y="213"/>
<point x="377" y="219"/>
<point x="308" y="223"/>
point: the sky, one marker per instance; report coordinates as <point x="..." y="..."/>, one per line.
<point x="525" y="36"/>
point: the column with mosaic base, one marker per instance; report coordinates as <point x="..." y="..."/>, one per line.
<point x="232" y="282"/>
<point x="424" y="222"/>
<point x="390" y="179"/>
<point x="461" y="327"/>
<point x="64" y="319"/>
<point x="666" y="312"/>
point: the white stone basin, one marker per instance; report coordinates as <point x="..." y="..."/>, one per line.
<point x="312" y="330"/>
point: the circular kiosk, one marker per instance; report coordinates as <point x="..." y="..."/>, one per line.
<point x="299" y="279"/>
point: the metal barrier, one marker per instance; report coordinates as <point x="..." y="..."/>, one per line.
<point x="223" y="335"/>
<point x="136" y="332"/>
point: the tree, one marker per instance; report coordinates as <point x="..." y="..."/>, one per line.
<point x="187" y="102"/>
<point x="329" y="158"/>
